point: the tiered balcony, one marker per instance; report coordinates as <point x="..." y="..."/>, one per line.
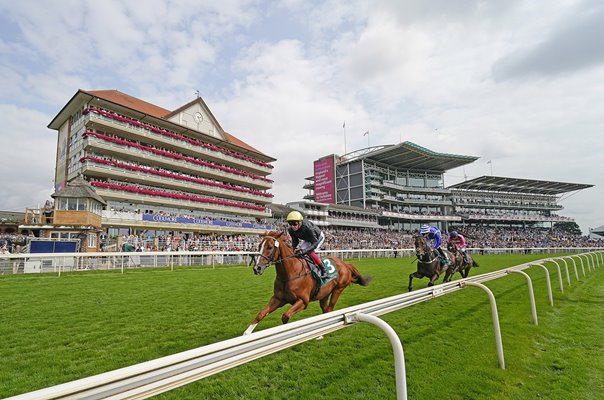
<point x="139" y="131"/>
<point x="421" y="217"/>
<point x="92" y="143"/>
<point x="411" y="189"/>
<point x="130" y="197"/>
<point x="93" y="169"/>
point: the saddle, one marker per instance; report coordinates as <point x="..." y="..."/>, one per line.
<point x="332" y="273"/>
<point x="443" y="260"/>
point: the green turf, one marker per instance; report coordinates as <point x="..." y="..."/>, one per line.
<point x="57" y="329"/>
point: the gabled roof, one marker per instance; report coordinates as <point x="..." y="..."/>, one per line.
<point x="78" y="188"/>
<point x="117" y="97"/>
<point x="519" y="185"/>
<point x="141" y="106"/>
<point x="412" y="157"/>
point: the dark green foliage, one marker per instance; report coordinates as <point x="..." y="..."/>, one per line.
<point x="569" y="227"/>
<point x="57" y="329"/>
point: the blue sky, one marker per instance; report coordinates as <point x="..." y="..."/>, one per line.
<point x="519" y="83"/>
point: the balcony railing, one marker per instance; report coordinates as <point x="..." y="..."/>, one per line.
<point x="172" y="139"/>
<point x="118" y="195"/>
<point x="171" y="163"/>
<point x="90" y="168"/>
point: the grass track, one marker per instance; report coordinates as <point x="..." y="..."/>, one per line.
<point x="55" y="330"/>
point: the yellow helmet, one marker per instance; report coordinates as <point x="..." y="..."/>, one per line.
<point x="294" y="216"/>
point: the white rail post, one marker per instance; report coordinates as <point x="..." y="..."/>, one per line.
<point x="549" y="285"/>
<point x="579" y="256"/>
<point x="495" y="318"/>
<point x="531" y="294"/>
<point x="586" y="261"/>
<point x="572" y="258"/>
<point x="593" y="261"/>
<point x="559" y="274"/>
<point x="567" y="273"/>
<point x="575" y="266"/>
<point x="397" y="348"/>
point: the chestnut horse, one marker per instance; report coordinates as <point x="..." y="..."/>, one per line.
<point x="464" y="268"/>
<point x="428" y="264"/>
<point x="294" y="283"/>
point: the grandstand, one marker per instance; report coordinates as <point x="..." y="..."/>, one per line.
<point x="160" y="170"/>
<point x="399" y="187"/>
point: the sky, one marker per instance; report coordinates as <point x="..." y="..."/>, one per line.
<point x="516" y="83"/>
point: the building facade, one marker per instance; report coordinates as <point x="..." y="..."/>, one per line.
<point x="402" y="186"/>
<point x="161" y="171"/>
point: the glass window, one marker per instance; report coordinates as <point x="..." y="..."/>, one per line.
<point x="81" y="204"/>
<point x="92" y="240"/>
<point x="416" y="182"/>
<point x="72" y="204"/>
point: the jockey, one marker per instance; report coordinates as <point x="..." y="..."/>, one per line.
<point x="433" y="233"/>
<point x="306" y="238"/>
<point x="459" y="241"/>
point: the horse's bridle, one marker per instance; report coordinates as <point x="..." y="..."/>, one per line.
<point x="270" y="259"/>
<point x="424" y="251"/>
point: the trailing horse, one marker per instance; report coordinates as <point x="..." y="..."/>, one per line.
<point x="465" y="266"/>
<point x="428" y="264"/>
<point x="295" y="284"/>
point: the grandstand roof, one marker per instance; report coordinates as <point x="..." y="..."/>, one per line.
<point x="518" y="185"/>
<point x="412" y="157"/>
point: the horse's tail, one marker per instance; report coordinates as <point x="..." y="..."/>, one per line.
<point x="357" y="277"/>
<point x="474" y="263"/>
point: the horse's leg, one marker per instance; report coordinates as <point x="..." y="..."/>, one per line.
<point x="333" y="299"/>
<point x="323" y="303"/>
<point x="411" y="276"/>
<point x="299" y="305"/>
<point x="273" y="304"/>
<point x="434" y="277"/>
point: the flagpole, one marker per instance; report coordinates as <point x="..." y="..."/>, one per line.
<point x="344" y="127"/>
<point x="368" y="143"/>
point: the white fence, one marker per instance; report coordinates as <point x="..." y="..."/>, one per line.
<point x="157" y="376"/>
<point x="70" y="262"/>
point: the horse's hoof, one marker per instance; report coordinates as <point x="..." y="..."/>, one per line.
<point x="319" y="337"/>
<point x="430" y="284"/>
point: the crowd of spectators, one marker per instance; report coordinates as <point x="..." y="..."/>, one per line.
<point x="488" y="237"/>
<point x="477" y="237"/>
<point x="369" y="238"/>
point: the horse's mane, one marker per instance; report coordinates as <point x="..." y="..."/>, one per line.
<point x="282" y="239"/>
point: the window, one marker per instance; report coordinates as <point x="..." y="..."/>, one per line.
<point x="72" y="204"/>
<point x="92" y="240"/>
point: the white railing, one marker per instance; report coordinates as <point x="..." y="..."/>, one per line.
<point x="163" y="374"/>
<point x="72" y="262"/>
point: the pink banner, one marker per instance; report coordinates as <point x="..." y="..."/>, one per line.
<point x="325" y="180"/>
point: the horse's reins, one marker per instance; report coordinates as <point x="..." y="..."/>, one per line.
<point x="421" y="255"/>
<point x="270" y="261"/>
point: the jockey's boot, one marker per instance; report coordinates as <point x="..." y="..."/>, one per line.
<point x="322" y="271"/>
<point x="444" y="256"/>
<point x="465" y="258"/>
<point x="319" y="264"/>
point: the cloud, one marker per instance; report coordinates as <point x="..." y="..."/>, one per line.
<point x="283" y="76"/>
<point x="574" y="45"/>
<point x="28" y="156"/>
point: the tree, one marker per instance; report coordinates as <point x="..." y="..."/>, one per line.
<point x="568" y="227"/>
